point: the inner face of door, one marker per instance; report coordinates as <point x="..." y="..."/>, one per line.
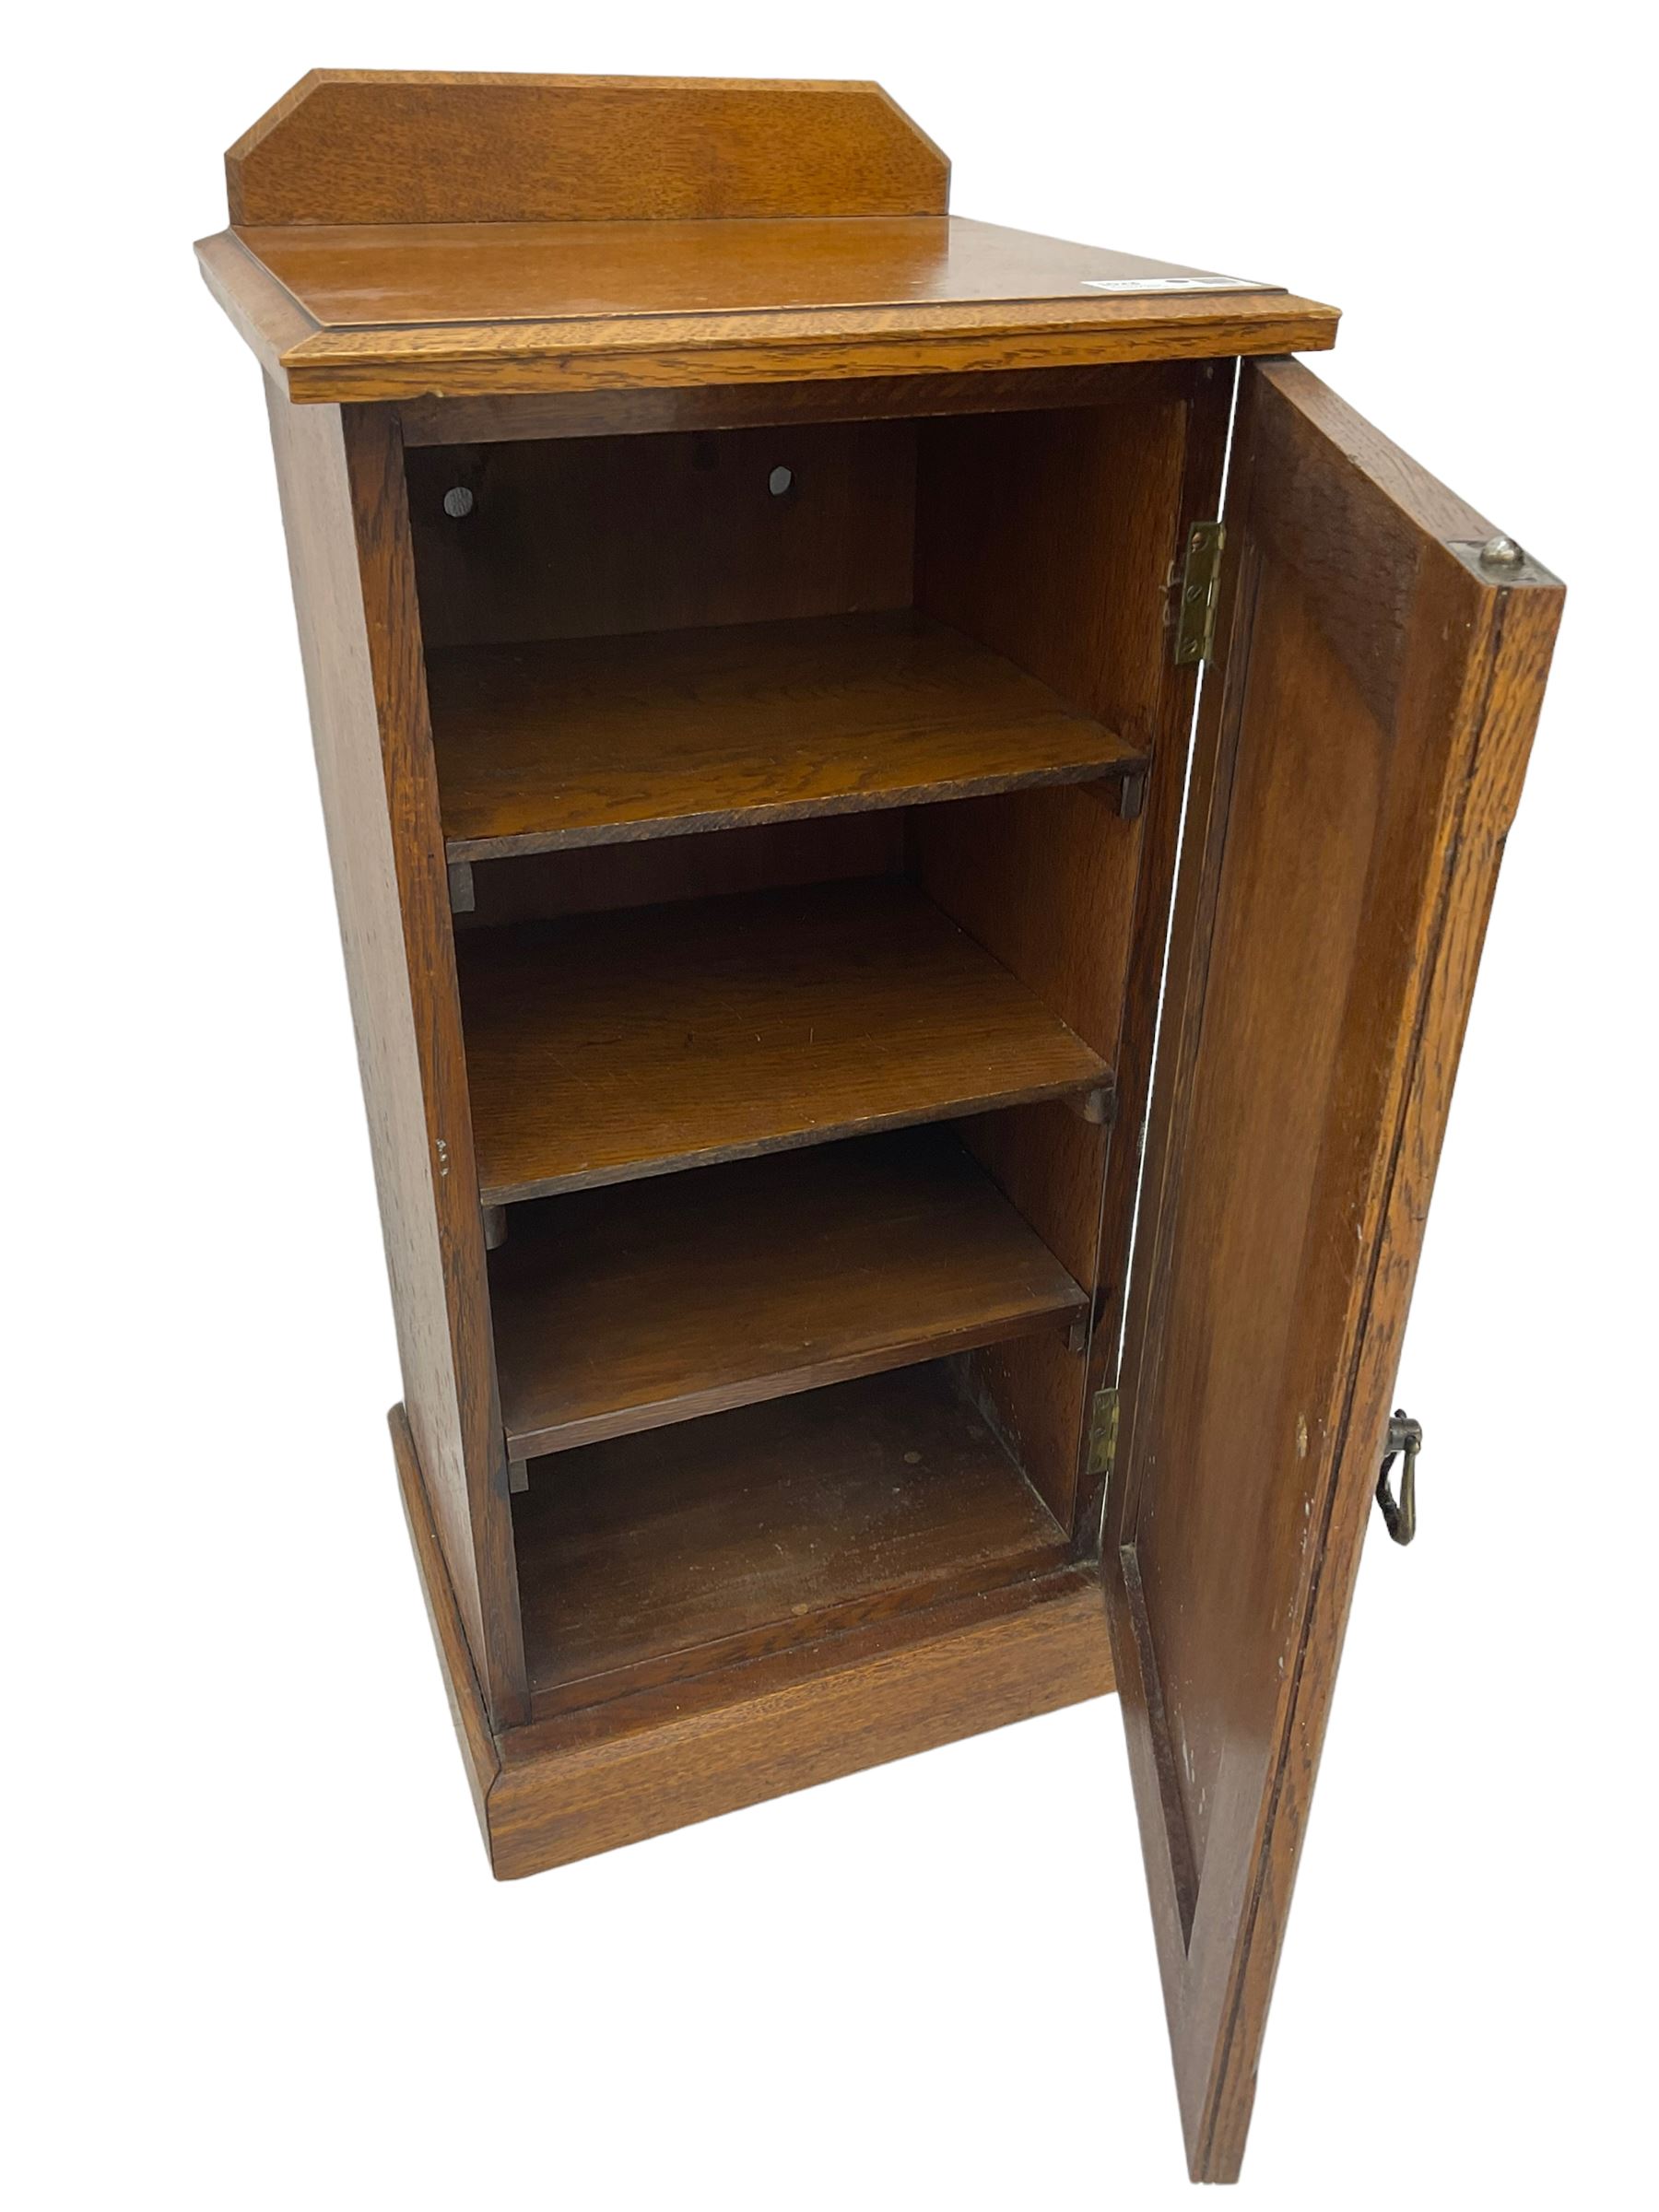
<point x="1361" y="744"/>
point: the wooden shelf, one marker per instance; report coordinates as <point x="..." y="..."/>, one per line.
<point x="652" y="1558"/>
<point x="632" y="1308"/>
<point x="607" y="1046"/>
<point x="599" y="740"/>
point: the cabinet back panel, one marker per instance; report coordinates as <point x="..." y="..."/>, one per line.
<point x="610" y="537"/>
<point x="596" y="878"/>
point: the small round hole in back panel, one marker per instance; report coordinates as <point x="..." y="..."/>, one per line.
<point x="781" y="480"/>
<point x="457" y="501"/>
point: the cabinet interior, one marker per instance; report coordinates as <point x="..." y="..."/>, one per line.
<point x="792" y="783"/>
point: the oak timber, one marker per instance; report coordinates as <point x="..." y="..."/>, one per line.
<point x="592" y="740"/>
<point x="407" y="235"/>
<point x="663" y="1554"/>
<point x="598" y="536"/>
<point x="637" y="1766"/>
<point x="666" y="352"/>
<point x="412" y="145"/>
<point x="591" y="1779"/>
<point x="496" y="417"/>
<point x="341" y="480"/>
<point x="474" y="1730"/>
<point x="1049" y="536"/>
<point x="537" y="887"/>
<point x="608" y="1046"/>
<point x="813" y="1486"/>
<point x="420" y="276"/>
<point x="1359" y="762"/>
<point x="649" y="1304"/>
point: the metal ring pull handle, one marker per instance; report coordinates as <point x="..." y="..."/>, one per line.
<point x="1404" y="1436"/>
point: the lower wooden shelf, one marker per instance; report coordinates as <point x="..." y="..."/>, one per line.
<point x="657" y="1557"/>
<point x="648" y="1303"/>
<point x="606" y="1046"/>
<point x="594" y="1776"/>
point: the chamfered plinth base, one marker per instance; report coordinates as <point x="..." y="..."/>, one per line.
<point x="640" y="1765"/>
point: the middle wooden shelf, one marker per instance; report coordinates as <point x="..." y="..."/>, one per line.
<point x="633" y="1308"/>
<point x="602" y="1047"/>
<point x="579" y="741"/>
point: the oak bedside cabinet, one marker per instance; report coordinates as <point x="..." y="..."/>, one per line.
<point x="753" y="624"/>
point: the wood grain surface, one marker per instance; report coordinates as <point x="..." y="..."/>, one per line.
<point x="450" y="271"/>
<point x="1049" y="537"/>
<point x="596" y="740"/>
<point x="1156" y="699"/>
<point x="456" y="236"/>
<point x="474" y="1730"/>
<point x="793" y="506"/>
<point x="642" y="353"/>
<point x="638" y="1765"/>
<point x="492" y="419"/>
<point x="600" y="536"/>
<point x="653" y="1302"/>
<point x="342" y="486"/>
<point x="1359" y="765"/>
<point x="766" y="1526"/>
<point x="581" y="879"/>
<point x="411" y="147"/>
<point x="658" y="352"/>
<point x="609" y="1046"/>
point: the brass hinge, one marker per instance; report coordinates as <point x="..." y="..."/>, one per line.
<point x="1200" y="581"/>
<point x="1103" y="1432"/>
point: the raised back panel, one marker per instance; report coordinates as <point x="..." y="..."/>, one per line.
<point x="374" y="146"/>
<point x="606" y="536"/>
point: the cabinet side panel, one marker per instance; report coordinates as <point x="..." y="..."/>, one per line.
<point x="1044" y="880"/>
<point x="341" y="489"/>
<point x="1051" y="537"/>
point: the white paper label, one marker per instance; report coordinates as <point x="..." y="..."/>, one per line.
<point x="1171" y="284"/>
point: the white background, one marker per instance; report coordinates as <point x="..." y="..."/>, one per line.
<point x="257" y="1957"/>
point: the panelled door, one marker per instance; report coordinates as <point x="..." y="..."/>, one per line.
<point x="1380" y="660"/>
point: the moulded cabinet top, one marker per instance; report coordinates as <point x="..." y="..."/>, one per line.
<point x="400" y="235"/>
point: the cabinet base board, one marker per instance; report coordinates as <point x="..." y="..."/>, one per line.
<point x="639" y="1766"/>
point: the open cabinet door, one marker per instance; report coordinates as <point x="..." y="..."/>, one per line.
<point x="1359" y="760"/>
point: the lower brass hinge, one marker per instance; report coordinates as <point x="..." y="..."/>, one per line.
<point x="1103" y="1432"/>
<point x="1200" y="583"/>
